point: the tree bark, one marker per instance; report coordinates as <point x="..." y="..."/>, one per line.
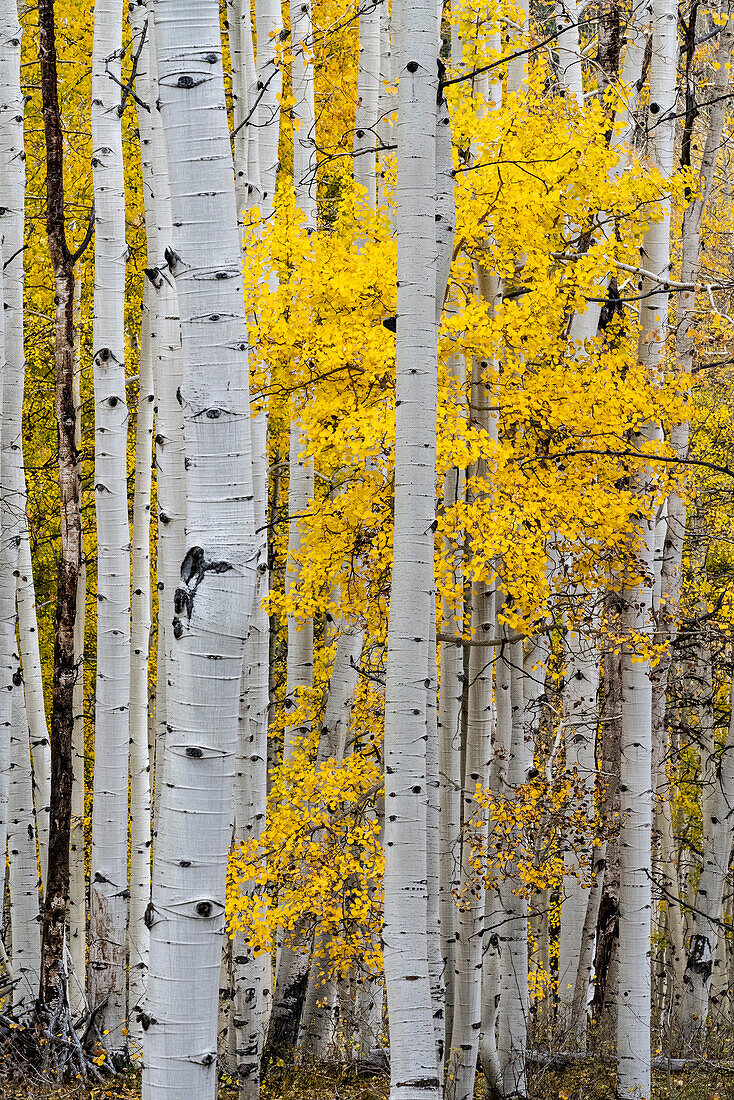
<point x="214" y="602"/>
<point x="65" y="671"/>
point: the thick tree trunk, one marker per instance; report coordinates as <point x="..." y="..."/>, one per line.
<point x="214" y="603"/>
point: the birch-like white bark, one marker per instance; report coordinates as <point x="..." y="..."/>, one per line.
<point x="12" y="180"/>
<point x="25" y="930"/>
<point x="214" y="602"/>
<point x="514" y="998"/>
<point x="293" y="954"/>
<point x="303" y="112"/>
<point x="299" y="665"/>
<point x="140" y="805"/>
<point x="471" y="917"/>
<point x="635" y="898"/>
<point x="108" y="907"/>
<point x="368" y="96"/>
<point x="570" y="67"/>
<point x="266" y="118"/>
<point x="140" y="770"/>
<point x="33" y="680"/>
<point x="579" y="727"/>
<point x="413" y="1062"/>
<point x="707" y="909"/>
<point x="317" y="1032"/>
<point x="449" y="748"/>
<point x="167" y="369"/>
<point x="251" y="975"/>
<point x="77" y="869"/>
<point x="694" y="988"/>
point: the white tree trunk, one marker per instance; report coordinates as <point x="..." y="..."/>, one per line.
<point x="635" y="898"/>
<point x="25" y="927"/>
<point x="32" y="677"/>
<point x="368" y="94"/>
<point x="266" y="119"/>
<point x="12" y="500"/>
<point x="251" y="974"/>
<point x="214" y="602"/>
<point x="167" y="370"/>
<point x="303" y="112"/>
<point x="244" y="93"/>
<point x="471" y="918"/>
<point x="140" y="816"/>
<point x="514" y="998"/>
<point x="413" y="1062"/>
<point x="707" y="910"/>
<point x="299" y="671"/>
<point x="109" y="866"/>
<point x="317" y="1032"/>
<point x="579" y="727"/>
<point x="293" y="953"/>
<point x="77" y="869"/>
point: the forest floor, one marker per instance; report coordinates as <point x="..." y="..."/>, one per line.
<point x="591" y="1081"/>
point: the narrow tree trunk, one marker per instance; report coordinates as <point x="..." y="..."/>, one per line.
<point x="413" y="1062"/>
<point x="368" y="91"/>
<point x="635" y="897"/>
<point x="140" y="823"/>
<point x="77" y="846"/>
<point x="514" y="998"/>
<point x="62" y="716"/>
<point x="471" y="917"/>
<point x="22" y="864"/>
<point x="108" y="890"/>
<point x="32" y="677"/>
<point x="580" y="725"/>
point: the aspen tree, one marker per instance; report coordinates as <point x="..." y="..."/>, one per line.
<point x="450" y="735"/>
<point x="77" y="871"/>
<point x="635" y="899"/>
<point x="22" y="865"/>
<point x="303" y="112"/>
<point x="140" y="816"/>
<point x="293" y="957"/>
<point x="33" y="680"/>
<point x="108" y="890"/>
<point x="165" y="333"/>
<point x="413" y="1061"/>
<point x="318" y="1023"/>
<point x="214" y="602"/>
<point x="140" y="787"/>
<point x="671" y="570"/>
<point x="292" y="968"/>
<point x="579" y="730"/>
<point x="12" y="177"/>
<point x="368" y="94"/>
<point x="514" y="999"/>
<point x="471" y="918"/>
<point x="252" y="975"/>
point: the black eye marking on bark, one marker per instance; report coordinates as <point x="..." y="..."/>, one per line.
<point x="204" y="909"/>
<point x="193" y="569"/>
